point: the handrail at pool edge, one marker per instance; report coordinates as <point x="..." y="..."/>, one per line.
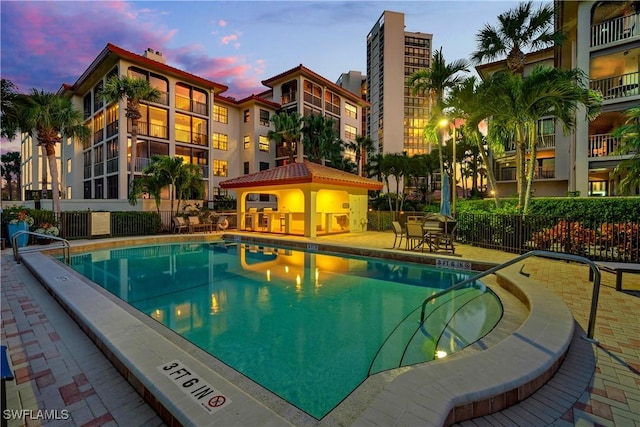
<point x="65" y="244"/>
<point x="547" y="254"/>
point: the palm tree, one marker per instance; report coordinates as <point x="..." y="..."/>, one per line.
<point x="518" y="28"/>
<point x="171" y="172"/>
<point x="10" y="104"/>
<point x="434" y="82"/>
<point x="516" y="104"/>
<point x="52" y="117"/>
<point x="286" y="133"/>
<point x="133" y="90"/>
<point x="465" y="103"/>
<point x="629" y="134"/>
<point x="362" y="147"/>
<point x="320" y="138"/>
<point x="11" y="163"/>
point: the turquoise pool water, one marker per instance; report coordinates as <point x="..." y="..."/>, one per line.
<point x="310" y="327"/>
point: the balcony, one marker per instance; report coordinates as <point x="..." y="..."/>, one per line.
<point x="507" y="174"/>
<point x="141" y="163"/>
<point x="544" y="142"/>
<point x="98" y="136"/>
<point x="544" y="173"/>
<point x="602" y="145"/>
<point x="620" y="86"/>
<point x="540" y="173"/>
<point x="112" y="165"/>
<point x="288" y="97"/>
<point x="614" y="30"/>
<point x="187" y="104"/>
<point x="112" y="129"/>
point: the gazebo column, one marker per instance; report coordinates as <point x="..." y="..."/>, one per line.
<point x="241" y="209"/>
<point x="310" y="222"/>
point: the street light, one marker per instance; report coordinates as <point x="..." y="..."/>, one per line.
<point x="444" y="123"/>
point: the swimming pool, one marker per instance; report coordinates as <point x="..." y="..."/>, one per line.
<point x="310" y="327"/>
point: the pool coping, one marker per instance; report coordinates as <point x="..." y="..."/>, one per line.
<point x="463" y="386"/>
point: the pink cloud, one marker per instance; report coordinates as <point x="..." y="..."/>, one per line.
<point x="222" y="23"/>
<point x="228" y="39"/>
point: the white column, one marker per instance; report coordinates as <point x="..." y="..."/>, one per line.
<point x="310" y="222"/>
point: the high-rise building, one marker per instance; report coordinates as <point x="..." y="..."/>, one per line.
<point x="396" y="118"/>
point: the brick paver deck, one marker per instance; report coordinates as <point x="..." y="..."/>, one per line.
<point x="59" y="370"/>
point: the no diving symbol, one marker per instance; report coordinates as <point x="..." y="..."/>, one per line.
<point x="216" y="401"/>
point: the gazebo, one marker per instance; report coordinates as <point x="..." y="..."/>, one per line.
<point x="311" y="199"/>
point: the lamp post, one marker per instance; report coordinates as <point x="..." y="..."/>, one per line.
<point x="454" y="194"/>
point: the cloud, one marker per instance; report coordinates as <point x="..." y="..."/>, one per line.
<point x="228" y="39"/>
<point x="222" y="23"/>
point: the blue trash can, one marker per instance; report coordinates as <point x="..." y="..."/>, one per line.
<point x="14" y="228"/>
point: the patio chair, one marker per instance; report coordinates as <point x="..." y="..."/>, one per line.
<point x="179" y="225"/>
<point x="415" y="236"/>
<point x="399" y="232"/>
<point x="196" y="225"/>
<point x="447" y="238"/>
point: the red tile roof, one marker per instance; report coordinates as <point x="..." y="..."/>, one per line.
<point x="301" y="173"/>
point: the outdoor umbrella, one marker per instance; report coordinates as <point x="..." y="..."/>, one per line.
<point x="445" y="205"/>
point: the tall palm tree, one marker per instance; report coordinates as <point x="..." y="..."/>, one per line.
<point x="287" y="132"/>
<point x="517" y="29"/>
<point x="516" y="104"/>
<point x="434" y="82"/>
<point x="629" y="134"/>
<point x="52" y="117"/>
<point x="11" y="163"/>
<point x="10" y="103"/>
<point x="362" y="147"/>
<point x="133" y="90"/>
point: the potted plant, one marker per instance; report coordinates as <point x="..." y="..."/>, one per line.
<point x="47" y="229"/>
<point x="20" y="222"/>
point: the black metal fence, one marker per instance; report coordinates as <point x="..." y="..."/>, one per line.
<point x="592" y="238"/>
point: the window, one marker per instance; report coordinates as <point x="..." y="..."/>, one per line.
<point x="112" y="120"/>
<point x="263" y="143"/>
<point x="264" y="197"/>
<point x="246" y="168"/>
<point x="220" y="114"/>
<point x="264" y="117"/>
<point x="68" y="165"/>
<point x="312" y="93"/>
<point x="220" y="141"/>
<point x="98" y="126"/>
<point x="87" y="105"/>
<point x="220" y="168"/>
<point x="289" y="91"/>
<point x="97" y="189"/>
<point x="155" y="81"/>
<point x="351" y="110"/>
<point x="247" y="142"/>
<point x="246" y="115"/>
<point x="112" y="187"/>
<point x="264" y="166"/>
<point x="98" y="101"/>
<point x="332" y="102"/>
<point x="349" y="132"/>
<point x="191" y="99"/>
<point x="191" y="129"/>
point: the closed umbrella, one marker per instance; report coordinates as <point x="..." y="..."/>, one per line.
<point x="445" y="204"/>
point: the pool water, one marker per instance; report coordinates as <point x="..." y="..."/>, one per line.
<point x="310" y="327"/>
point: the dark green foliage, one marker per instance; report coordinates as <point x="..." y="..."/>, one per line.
<point x="135" y="223"/>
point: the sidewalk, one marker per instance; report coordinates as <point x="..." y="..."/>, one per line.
<point x="58" y="368"/>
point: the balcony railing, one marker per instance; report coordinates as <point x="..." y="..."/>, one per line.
<point x="617" y="86"/>
<point x="614" y="30"/>
<point x="188" y="104"/>
<point x="602" y="145"/>
<point x="98" y="169"/>
<point x="112" y="165"/>
<point x="544" y="173"/>
<point x="98" y="136"/>
<point x="157" y="131"/>
<point x="544" y="141"/>
<point x="141" y="163"/>
<point x="507" y="175"/>
<point x="112" y="129"/>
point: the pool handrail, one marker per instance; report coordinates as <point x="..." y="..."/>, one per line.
<point x="16" y="250"/>
<point x="546" y="254"/>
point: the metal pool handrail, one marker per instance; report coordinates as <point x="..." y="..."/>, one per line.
<point x="547" y="254"/>
<point x="16" y="252"/>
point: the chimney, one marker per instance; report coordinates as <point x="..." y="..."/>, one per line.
<point x="154" y="55"/>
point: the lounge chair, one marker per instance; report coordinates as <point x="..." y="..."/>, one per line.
<point x="179" y="225"/>
<point x="399" y="232"/>
<point x="196" y="225"/>
<point x="415" y="236"/>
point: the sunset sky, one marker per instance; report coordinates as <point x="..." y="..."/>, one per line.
<point x="44" y="44"/>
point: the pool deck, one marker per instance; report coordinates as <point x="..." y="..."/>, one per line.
<point x="57" y="367"/>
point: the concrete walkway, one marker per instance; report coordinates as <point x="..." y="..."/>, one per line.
<point x="61" y="374"/>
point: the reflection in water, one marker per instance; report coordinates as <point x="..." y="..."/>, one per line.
<point x="307" y="326"/>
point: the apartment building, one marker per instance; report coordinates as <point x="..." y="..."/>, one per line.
<point x="604" y="42"/>
<point x="396" y="118"/>
<point x="303" y="91"/>
<point x="192" y="119"/>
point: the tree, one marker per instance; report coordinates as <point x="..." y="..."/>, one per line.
<point x="11" y="163"/>
<point x="518" y="28"/>
<point x="52" y="117"/>
<point x="287" y="132"/>
<point x="362" y="147"/>
<point x="11" y="103"/>
<point x="133" y="90"/>
<point x="629" y="134"/>
<point x="320" y="138"/>
<point x="465" y="103"/>
<point x="515" y="104"/>
<point x="434" y="82"/>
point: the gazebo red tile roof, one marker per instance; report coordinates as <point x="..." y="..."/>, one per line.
<point x="301" y="173"/>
